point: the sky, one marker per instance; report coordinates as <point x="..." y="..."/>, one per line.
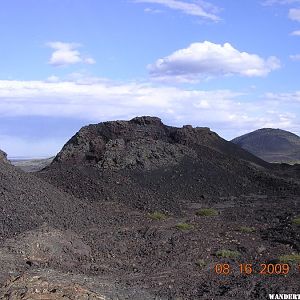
<point x="233" y="66"/>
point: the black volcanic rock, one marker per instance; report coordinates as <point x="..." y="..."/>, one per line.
<point x="148" y="165"/>
<point x="140" y="143"/>
<point x="272" y="145"/>
<point x="143" y="143"/>
<point x="3" y="156"/>
<point x="99" y="240"/>
<point x="45" y="235"/>
<point x="33" y="202"/>
<point x="130" y="169"/>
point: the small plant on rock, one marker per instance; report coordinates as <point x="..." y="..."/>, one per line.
<point x="228" y="254"/>
<point x="184" y="226"/>
<point x="158" y="216"/>
<point x="201" y="263"/>
<point x="207" y="212"/>
<point x="296" y="221"/>
<point x="290" y="258"/>
<point x="246" y="229"/>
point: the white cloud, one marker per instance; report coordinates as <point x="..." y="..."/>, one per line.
<point x="294" y="14"/>
<point x="295" y="57"/>
<point x="202" y="60"/>
<point x="281" y="2"/>
<point x="200" y="9"/>
<point x="293" y="97"/>
<point x="89" y="61"/>
<point x="99" y="100"/>
<point x="92" y="100"/>
<point x="53" y="78"/>
<point x="152" y="11"/>
<point x="67" y="54"/>
<point x="296" y="32"/>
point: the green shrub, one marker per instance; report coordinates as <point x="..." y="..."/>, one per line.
<point x="296" y="221"/>
<point x="207" y="212"/>
<point x="290" y="258"/>
<point x="184" y="226"/>
<point x="246" y="229"/>
<point x="201" y="263"/>
<point x="228" y="254"/>
<point x="158" y="216"/>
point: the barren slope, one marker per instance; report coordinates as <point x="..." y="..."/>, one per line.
<point x="160" y="167"/>
<point x="273" y="145"/>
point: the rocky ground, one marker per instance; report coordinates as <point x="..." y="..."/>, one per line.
<point x="140" y="210"/>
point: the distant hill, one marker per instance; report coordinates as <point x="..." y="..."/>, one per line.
<point x="31" y="165"/>
<point x="272" y="145"/>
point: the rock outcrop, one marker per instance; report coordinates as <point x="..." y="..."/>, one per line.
<point x="3" y="156"/>
<point x="148" y="165"/>
<point x="141" y="143"/>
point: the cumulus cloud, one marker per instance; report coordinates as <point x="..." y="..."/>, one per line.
<point x="67" y="54"/>
<point x="200" y="9"/>
<point x="293" y="97"/>
<point x="294" y="14"/>
<point x="202" y="60"/>
<point x="296" y="32"/>
<point x="295" y="57"/>
<point x="94" y="101"/>
<point x="91" y="100"/>
<point x="53" y="78"/>
<point x="98" y="99"/>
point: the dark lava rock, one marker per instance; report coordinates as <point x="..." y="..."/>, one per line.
<point x="43" y="229"/>
<point x="144" y="143"/>
<point x="3" y="156"/>
<point x="28" y="202"/>
<point x="148" y="165"/>
<point x="99" y="239"/>
<point x="54" y="285"/>
<point x="49" y="246"/>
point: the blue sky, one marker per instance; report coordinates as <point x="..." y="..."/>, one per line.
<point x="229" y="65"/>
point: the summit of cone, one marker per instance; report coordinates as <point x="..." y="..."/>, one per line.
<point x="272" y="145"/>
<point x="142" y="143"/>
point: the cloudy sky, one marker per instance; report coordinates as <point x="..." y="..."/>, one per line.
<point x="233" y="66"/>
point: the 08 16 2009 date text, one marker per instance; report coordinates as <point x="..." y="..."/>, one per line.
<point x="248" y="269"/>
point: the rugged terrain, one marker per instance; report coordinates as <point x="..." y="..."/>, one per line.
<point x="272" y="145"/>
<point x="140" y="210"/>
<point x="44" y="254"/>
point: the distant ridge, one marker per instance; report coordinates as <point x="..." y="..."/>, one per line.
<point x="31" y="165"/>
<point x="272" y="145"/>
